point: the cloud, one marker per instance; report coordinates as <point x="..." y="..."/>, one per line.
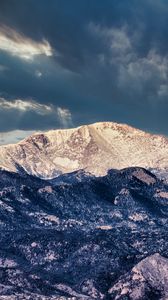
<point x="19" y="117"/>
<point x="116" y="38"/>
<point x="144" y="74"/>
<point x="27" y="105"/>
<point x="38" y="73"/>
<point x="19" y="45"/>
<point x="111" y="62"/>
<point x="28" y="114"/>
<point x="65" y="117"/>
<point x="135" y="74"/>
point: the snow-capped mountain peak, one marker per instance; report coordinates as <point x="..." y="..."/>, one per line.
<point x="95" y="148"/>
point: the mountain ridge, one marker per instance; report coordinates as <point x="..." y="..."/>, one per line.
<point x="86" y="238"/>
<point x="96" y="148"/>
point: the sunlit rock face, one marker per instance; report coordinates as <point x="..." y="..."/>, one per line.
<point x="83" y="237"/>
<point x="95" y="148"/>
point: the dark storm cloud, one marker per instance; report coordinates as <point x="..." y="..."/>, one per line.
<point x="107" y="60"/>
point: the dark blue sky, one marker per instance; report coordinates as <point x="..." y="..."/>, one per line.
<point x="68" y="62"/>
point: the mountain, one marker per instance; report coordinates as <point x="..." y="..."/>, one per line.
<point x="84" y="237"/>
<point x="95" y="148"/>
<point x="147" y="280"/>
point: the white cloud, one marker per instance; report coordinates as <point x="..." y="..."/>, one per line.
<point x="26" y="105"/>
<point x="18" y="45"/>
<point x="65" y="117"/>
<point x="62" y="115"/>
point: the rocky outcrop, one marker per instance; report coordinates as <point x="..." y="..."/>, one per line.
<point x="147" y="280"/>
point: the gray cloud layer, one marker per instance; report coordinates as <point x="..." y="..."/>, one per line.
<point x="94" y="60"/>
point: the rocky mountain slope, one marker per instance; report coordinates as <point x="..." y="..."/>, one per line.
<point x="84" y="237"/>
<point x="95" y="148"/>
<point x="147" y="280"/>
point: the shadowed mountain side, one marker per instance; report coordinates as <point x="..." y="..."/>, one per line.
<point x="73" y="237"/>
